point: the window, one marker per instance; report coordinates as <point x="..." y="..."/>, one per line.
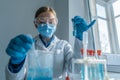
<point x="117" y="22"/>
<point x="116" y="9"/>
<point x="103" y="34"/>
<point x="101" y="11"/>
<point x="103" y="28"/>
<point x="108" y="17"/>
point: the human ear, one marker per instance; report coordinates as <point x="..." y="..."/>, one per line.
<point x="35" y="24"/>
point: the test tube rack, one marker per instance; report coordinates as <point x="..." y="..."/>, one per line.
<point x="86" y="61"/>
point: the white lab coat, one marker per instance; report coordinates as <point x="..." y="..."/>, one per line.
<point x="60" y="60"/>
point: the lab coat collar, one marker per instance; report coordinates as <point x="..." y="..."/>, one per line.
<point x="40" y="45"/>
<point x="48" y="43"/>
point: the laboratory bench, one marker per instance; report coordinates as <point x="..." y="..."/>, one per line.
<point x="114" y="75"/>
<point x="111" y="75"/>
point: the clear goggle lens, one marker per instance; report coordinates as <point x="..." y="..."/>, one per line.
<point x="46" y="20"/>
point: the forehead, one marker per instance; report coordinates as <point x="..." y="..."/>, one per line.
<point x="46" y="14"/>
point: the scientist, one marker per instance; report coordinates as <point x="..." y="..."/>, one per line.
<point x="46" y="24"/>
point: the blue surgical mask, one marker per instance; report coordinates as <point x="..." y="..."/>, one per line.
<point x="46" y="30"/>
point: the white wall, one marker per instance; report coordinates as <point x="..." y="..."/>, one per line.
<point x="76" y="7"/>
<point x="16" y="17"/>
<point x="66" y="10"/>
<point x="62" y="10"/>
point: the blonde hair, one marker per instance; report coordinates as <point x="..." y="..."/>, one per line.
<point x="45" y="9"/>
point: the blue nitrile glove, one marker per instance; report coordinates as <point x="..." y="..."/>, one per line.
<point x="79" y="26"/>
<point x="18" y="48"/>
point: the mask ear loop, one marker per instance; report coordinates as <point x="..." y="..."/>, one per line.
<point x="35" y="22"/>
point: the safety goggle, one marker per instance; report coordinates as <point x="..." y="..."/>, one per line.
<point x="46" y="20"/>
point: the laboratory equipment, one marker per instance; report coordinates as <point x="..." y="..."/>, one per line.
<point x="40" y="66"/>
<point x="67" y="78"/>
<point x="96" y="68"/>
<point x="91" y="68"/>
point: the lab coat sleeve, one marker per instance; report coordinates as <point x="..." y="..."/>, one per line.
<point x="77" y="47"/>
<point x="77" y="54"/>
<point x="70" y="54"/>
<point x="68" y="50"/>
<point x="16" y="76"/>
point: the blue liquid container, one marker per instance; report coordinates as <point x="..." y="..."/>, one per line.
<point x="82" y="69"/>
<point x="101" y="72"/>
<point x="39" y="74"/>
<point x="40" y="78"/>
<point x="40" y="65"/>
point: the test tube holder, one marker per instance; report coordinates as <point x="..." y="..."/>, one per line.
<point x="87" y="61"/>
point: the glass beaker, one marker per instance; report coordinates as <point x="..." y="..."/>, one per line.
<point x="40" y="66"/>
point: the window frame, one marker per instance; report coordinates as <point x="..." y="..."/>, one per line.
<point x="112" y="32"/>
<point x="114" y="17"/>
<point x="103" y="4"/>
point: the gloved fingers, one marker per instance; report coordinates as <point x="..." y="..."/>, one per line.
<point x="17" y="48"/>
<point x="20" y="42"/>
<point x="26" y="38"/>
<point x="92" y="23"/>
<point x="28" y="46"/>
<point x="14" y="53"/>
<point x="80" y="22"/>
<point x="83" y="26"/>
<point x="77" y="20"/>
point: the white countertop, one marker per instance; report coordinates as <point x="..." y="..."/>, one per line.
<point x="111" y="75"/>
<point x="114" y="76"/>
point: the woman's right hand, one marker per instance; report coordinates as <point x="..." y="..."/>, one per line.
<point x="18" y="47"/>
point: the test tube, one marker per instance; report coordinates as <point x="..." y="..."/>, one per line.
<point x="85" y="43"/>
